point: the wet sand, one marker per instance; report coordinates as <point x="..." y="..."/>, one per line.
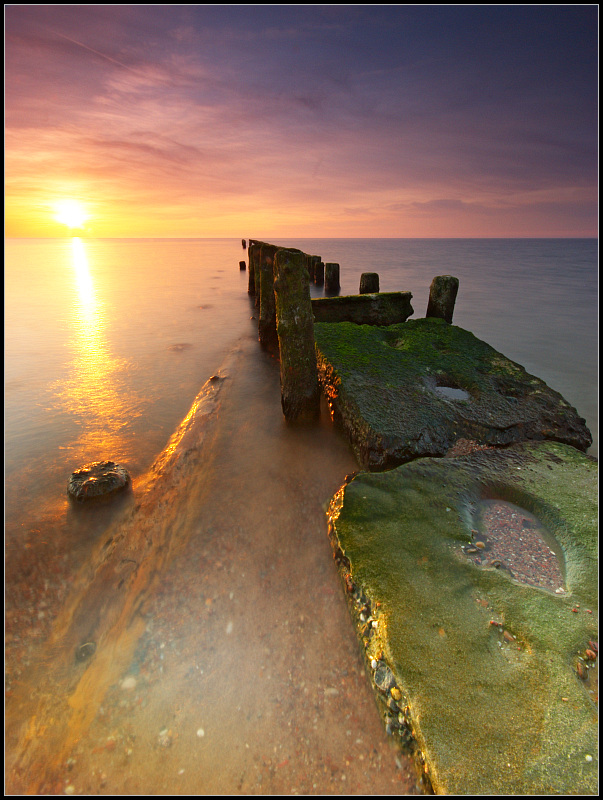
<point x="226" y="660"/>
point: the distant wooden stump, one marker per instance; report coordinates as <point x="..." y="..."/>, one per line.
<point x="332" y="285"/>
<point x="369" y="283"/>
<point x="442" y="297"/>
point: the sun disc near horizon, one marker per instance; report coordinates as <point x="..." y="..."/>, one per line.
<point x="71" y="213"/>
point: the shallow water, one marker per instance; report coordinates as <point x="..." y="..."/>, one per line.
<point x="246" y="635"/>
<point x="244" y="674"/>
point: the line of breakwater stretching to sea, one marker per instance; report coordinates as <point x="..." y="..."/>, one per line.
<point x="279" y="282"/>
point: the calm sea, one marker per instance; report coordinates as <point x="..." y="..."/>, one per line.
<point x="107" y="342"/>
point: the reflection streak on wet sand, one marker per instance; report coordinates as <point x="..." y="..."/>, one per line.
<point x="279" y="684"/>
<point x="103" y="606"/>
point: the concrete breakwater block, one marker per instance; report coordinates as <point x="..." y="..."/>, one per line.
<point x="485" y="677"/>
<point x="98" y="480"/>
<point x="387" y="308"/>
<point x="416" y="388"/>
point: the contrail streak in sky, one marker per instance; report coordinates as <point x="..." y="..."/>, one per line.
<point x="96" y="52"/>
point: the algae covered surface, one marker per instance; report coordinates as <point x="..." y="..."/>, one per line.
<point x="487" y="667"/>
<point x="413" y="389"/>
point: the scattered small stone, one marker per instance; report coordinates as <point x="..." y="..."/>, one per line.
<point x="588" y="758"/>
<point x="592" y="656"/>
<point x="128" y="683"/>
<point x="480" y="544"/>
<point x="200" y="733"/>
<point x="165" y="738"/>
<point x="69" y="789"/>
<point x="395" y="693"/>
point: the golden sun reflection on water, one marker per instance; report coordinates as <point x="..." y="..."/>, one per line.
<point x="94" y="390"/>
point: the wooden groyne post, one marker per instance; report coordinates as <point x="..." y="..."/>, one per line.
<point x="300" y="393"/>
<point x="369" y="283"/>
<point x="442" y="297"/>
<point x="253" y="254"/>
<point x="332" y="284"/>
<point x="267" y="316"/>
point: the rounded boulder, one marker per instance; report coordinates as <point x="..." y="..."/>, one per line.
<point x="98" y="480"/>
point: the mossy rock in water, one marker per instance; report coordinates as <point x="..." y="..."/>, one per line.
<point x="415" y="388"/>
<point x="490" y="675"/>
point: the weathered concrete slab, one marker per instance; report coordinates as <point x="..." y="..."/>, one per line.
<point x="387" y="308"/>
<point x="414" y="389"/>
<point x="478" y="672"/>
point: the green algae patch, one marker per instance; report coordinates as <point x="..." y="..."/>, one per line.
<point x="414" y="389"/>
<point x="484" y="675"/>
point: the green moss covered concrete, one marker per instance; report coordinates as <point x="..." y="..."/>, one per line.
<point x="393" y="388"/>
<point x="490" y="714"/>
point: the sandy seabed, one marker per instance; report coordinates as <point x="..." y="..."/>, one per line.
<point x="225" y="660"/>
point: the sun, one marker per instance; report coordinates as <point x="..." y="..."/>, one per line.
<point x="71" y="213"/>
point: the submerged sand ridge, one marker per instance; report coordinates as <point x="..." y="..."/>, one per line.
<point x="224" y="661"/>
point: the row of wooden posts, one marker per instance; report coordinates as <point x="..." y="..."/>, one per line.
<point x="279" y="279"/>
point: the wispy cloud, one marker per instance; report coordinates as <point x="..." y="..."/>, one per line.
<point x="383" y="117"/>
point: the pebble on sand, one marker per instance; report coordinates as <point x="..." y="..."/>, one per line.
<point x="128" y="683"/>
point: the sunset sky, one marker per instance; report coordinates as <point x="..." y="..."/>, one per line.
<point x="275" y="121"/>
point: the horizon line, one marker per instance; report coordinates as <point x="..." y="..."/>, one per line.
<point x="253" y="238"/>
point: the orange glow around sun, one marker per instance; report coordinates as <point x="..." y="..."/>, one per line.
<point x="71" y="213"/>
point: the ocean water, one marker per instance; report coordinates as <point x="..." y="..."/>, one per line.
<point x="107" y="343"/>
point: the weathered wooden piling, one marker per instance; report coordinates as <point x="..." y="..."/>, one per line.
<point x="332" y="284"/>
<point x="319" y="273"/>
<point x="267" y="316"/>
<point x="252" y="251"/>
<point x="300" y="394"/>
<point x="310" y="262"/>
<point x="442" y="297"/>
<point x="243" y="243"/>
<point x="242" y="266"/>
<point x="369" y="283"/>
